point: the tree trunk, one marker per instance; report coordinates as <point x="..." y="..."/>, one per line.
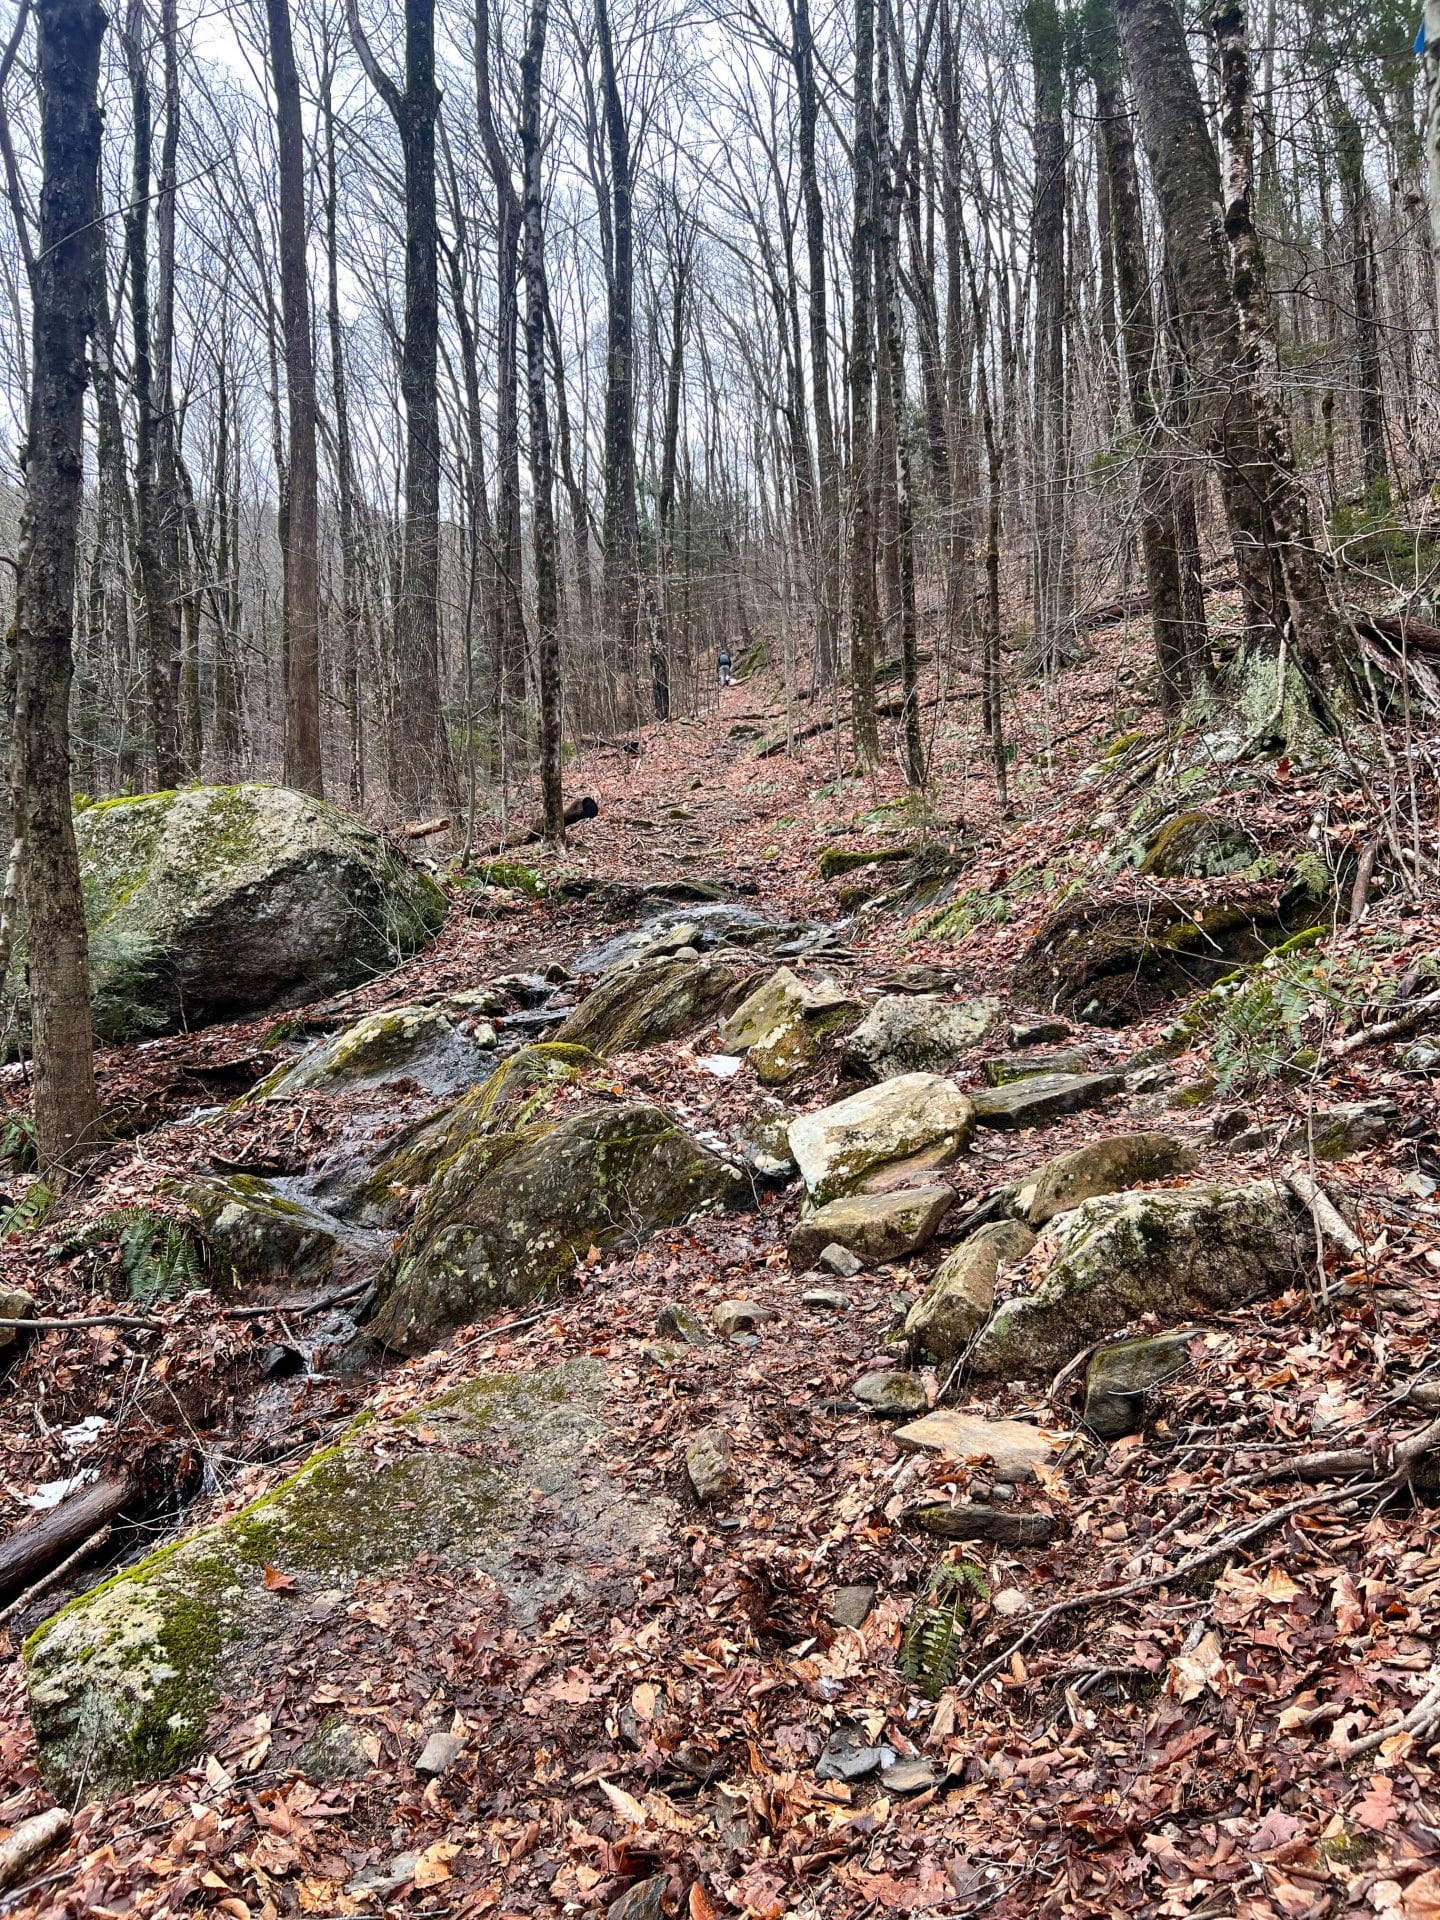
<point x="542" y="467"/>
<point x="62" y="291"/>
<point x="862" y="404"/>
<point x="302" y="555"/>
<point x="1051" y="565"/>
<point x="344" y="461"/>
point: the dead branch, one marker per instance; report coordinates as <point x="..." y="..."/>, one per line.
<point x="1324" y="1212"/>
<point x="33" y="1837"/>
<point x="48" y="1581"/>
<point x="1395" y="1028"/>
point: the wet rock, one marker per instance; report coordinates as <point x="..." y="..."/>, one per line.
<point x="1101" y="1166"/>
<point x="1334" y="1133"/>
<point x="705" y="925"/>
<point x="957" y="1302"/>
<point x="890" y="1393"/>
<point x="852" y="1606"/>
<point x="1119" y="1256"/>
<point x="740" y="1316"/>
<point x="1015" y="1448"/>
<point x="506" y="1220"/>
<point x="337" y="1751"/>
<point x="710" y="1464"/>
<point x="1199" y="846"/>
<point x="1004" y="1068"/>
<point x="1038" y="1032"/>
<point x="916" y="1122"/>
<point x="680" y="1323"/>
<point x="910" y="1033"/>
<point x="654" y="1000"/>
<point x="875" y="1227"/>
<point x="400" y="1043"/>
<point x="439" y="1753"/>
<point x="215" y="903"/>
<point x="840" y="1261"/>
<point x="1047" y="1096"/>
<point x="120" y="1682"/>
<point x="1119" y="1376"/>
<point x="269" y="1232"/>
<point x="16" y="1307"/>
<point x="282" y="1362"/>
<point x="849" y="1756"/>
<point x="975" y="1520"/>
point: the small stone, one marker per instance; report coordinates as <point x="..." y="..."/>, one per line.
<point x="1334" y="1133"/>
<point x="661" y="1354"/>
<point x="849" y="1756"/>
<point x="1152" y="1079"/>
<point x="1119" y="1376"/>
<point x="1011" y="1239"/>
<point x="686" y="953"/>
<point x="891" y="1393"/>
<point x="16" y="1307"/>
<point x="677" y="1322"/>
<point x="644" y="1901"/>
<point x="484" y="1036"/>
<point x="1016" y="1448"/>
<point x="1008" y="1602"/>
<point x="1038" y="1033"/>
<point x="384" y="1880"/>
<point x="336" y="1752"/>
<point x="710" y="1464"/>
<point x="739" y="1316"/>
<point x="974" y="1520"/>
<point x="1108" y="1165"/>
<point x="851" y="1606"/>
<point x="840" y="1261"/>
<point x="439" y="1753"/>
<point x="908" y="1776"/>
<point x="281" y="1362"/>
<point x="1256" y="1139"/>
<point x="825" y="1299"/>
<point x="1422" y="1056"/>
<point x="1229" y="1123"/>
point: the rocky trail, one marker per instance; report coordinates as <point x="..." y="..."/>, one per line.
<point x="807" y="1358"/>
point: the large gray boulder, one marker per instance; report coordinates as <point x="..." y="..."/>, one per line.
<point x="1124" y="1255"/>
<point x="120" y="1682"/>
<point x="918" y="1032"/>
<point x="213" y="903"/>
<point x="908" y="1125"/>
<point x="396" y="1043"/>
<point x="654" y="1000"/>
<point x="507" y="1218"/>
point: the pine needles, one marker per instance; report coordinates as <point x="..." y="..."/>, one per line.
<point x="930" y="1644"/>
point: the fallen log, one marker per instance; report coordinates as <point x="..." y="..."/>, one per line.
<point x="28" y="1842"/>
<point x="33" y="1549"/>
<point x="575" y="812"/>
<point x="422" y="829"/>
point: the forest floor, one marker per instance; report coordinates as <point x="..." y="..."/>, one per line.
<point x="1174" y="1742"/>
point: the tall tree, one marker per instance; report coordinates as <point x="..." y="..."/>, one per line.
<point x="1052" y="562"/>
<point x="62" y="292"/>
<point x="863" y="606"/>
<point x="421" y="765"/>
<point x="302" y="522"/>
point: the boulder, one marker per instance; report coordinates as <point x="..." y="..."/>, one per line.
<point x="399" y="1043"/>
<point x="710" y="1465"/>
<point x="16" y="1307"/>
<point x="875" y="1227"/>
<point x="505" y="1221"/>
<point x="1014" y="1448"/>
<point x="653" y="1000"/>
<point x="1111" y="959"/>
<point x="268" y="1232"/>
<point x="1196" y="845"/>
<point x="787" y="1055"/>
<point x="1122" y="1255"/>
<point x="1119" y="1376"/>
<point x="914" y="1033"/>
<point x="917" y="1122"/>
<point x="771" y="1009"/>
<point x="1003" y="1068"/>
<point x="214" y="903"/>
<point x="120" y="1682"/>
<point x="1101" y="1166"/>
<point x="1011" y="1239"/>
<point x="957" y="1302"/>
<point x="1045" y="1097"/>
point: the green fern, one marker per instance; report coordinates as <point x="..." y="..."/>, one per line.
<point x="159" y="1254"/>
<point x="930" y="1644"/>
<point x="29" y="1211"/>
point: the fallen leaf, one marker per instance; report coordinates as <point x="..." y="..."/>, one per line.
<point x="276" y="1581"/>
<point x="433" y="1866"/>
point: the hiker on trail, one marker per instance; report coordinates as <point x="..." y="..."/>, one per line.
<point x="722" y="664"/>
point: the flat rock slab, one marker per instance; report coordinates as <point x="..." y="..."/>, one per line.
<point x="875" y="1227"/>
<point x="916" y="1118"/>
<point x="972" y="1520"/>
<point x="1045" y="1096"/>
<point x="1003" y="1069"/>
<point x="1015" y="1447"/>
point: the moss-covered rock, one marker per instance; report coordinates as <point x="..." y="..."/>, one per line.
<point x="1110" y="959"/>
<point x="212" y="903"/>
<point x="514" y="875"/>
<point x="915" y="1122"/>
<point x="837" y="861"/>
<point x="654" y="1000"/>
<point x="505" y="1221"/>
<point x="1197" y="845"/>
<point x="397" y="1043"/>
<point x="918" y="1033"/>
<point x="120" y="1682"/>
<point x="1100" y="1166"/>
<point x="1119" y="1256"/>
<point x="263" y="1234"/>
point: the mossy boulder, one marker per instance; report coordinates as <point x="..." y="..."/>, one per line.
<point x="1123" y="1255"/>
<point x="836" y="861"/>
<point x="902" y="1127"/>
<point x="213" y="903"/>
<point x="263" y="1234"/>
<point x="519" y="1090"/>
<point x="918" y="1033"/>
<point x="1101" y="1166"/>
<point x="505" y="1221"/>
<point x="1197" y="845"/>
<point x="1111" y="959"/>
<point x="783" y="1023"/>
<point x="121" y="1681"/>
<point x="396" y="1043"/>
<point x="654" y="1000"/>
<point x="875" y="1227"/>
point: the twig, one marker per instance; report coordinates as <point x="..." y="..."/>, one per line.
<point x="148" y="1322"/>
<point x="1420" y="1719"/>
<point x="1392" y="1029"/>
<point x="56" y="1574"/>
<point x="1326" y="1215"/>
